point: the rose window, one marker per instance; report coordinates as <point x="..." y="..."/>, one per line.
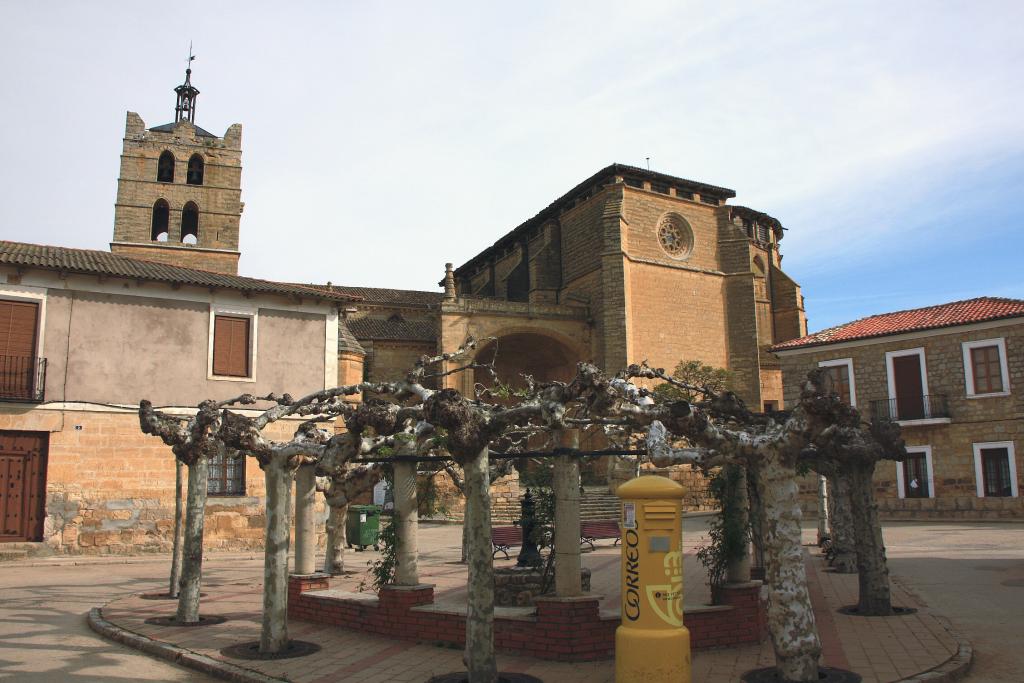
<point x="675" y="236"/>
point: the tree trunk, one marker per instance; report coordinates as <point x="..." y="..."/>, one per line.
<point x="738" y="570"/>
<point x="407" y="519"/>
<point x="274" y="635"/>
<point x="822" y="509"/>
<point x="844" y="552"/>
<point x="755" y="508"/>
<point x="479" y="655"/>
<point x="873" y="571"/>
<point x="192" y="546"/>
<point x="334" y="560"/>
<point x="790" y="616"/>
<point x="179" y="529"/>
<point x="305" y="526"/>
<point x="465" y="535"/>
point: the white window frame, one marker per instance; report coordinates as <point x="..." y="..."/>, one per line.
<point x="901" y="484"/>
<point x="891" y="378"/>
<point x="998" y="342"/>
<point x="848" y="362"/>
<point x="980" y="480"/>
<point x="238" y="312"/>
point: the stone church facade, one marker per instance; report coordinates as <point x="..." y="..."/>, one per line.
<point x="628" y="265"/>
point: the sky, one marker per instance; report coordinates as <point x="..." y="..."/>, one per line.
<point x="382" y="140"/>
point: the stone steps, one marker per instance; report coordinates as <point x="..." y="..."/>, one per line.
<point x="12" y="554"/>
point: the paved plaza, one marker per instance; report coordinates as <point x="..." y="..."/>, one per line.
<point x="965" y="578"/>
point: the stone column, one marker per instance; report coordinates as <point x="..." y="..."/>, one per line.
<point x="407" y="521"/>
<point x="305" y="529"/>
<point x="567" y="517"/>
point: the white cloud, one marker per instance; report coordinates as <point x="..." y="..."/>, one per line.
<point x="384" y="140"/>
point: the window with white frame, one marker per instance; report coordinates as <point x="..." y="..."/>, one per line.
<point x="915" y="477"/>
<point x="232" y="354"/>
<point x="840" y="374"/>
<point x="985" y="368"/>
<point x="995" y="469"/>
<point x="908" y="385"/>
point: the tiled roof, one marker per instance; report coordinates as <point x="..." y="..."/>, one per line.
<point x="169" y="128"/>
<point x="378" y="295"/>
<point x="90" y="262"/>
<point x="393" y="330"/>
<point x="552" y="209"/>
<point x="346" y="340"/>
<point x="966" y="312"/>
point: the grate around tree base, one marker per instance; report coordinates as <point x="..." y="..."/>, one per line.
<point x="163" y="596"/>
<point x="173" y="621"/>
<point x="251" y="650"/>
<point x="826" y="674"/>
<point x="503" y="677"/>
<point x="854" y="611"/>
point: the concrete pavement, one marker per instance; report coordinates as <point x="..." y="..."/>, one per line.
<point x="971" y="572"/>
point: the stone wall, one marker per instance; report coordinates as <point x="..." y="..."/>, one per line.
<point x="504" y="498"/>
<point x="696" y="497"/>
<point x="110" y="488"/>
<point x="972" y="420"/>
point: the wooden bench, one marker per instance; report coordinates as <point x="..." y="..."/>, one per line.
<point x="593" y="530"/>
<point x="504" y="537"/>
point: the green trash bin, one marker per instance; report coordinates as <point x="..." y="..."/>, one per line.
<point x="362" y="527"/>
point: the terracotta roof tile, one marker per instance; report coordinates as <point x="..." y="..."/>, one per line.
<point x="378" y="295"/>
<point x="90" y="262"/>
<point x="966" y="312"/>
<point x="393" y="330"/>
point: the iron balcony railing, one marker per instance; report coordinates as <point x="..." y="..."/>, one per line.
<point x="22" y="378"/>
<point x="911" y="408"/>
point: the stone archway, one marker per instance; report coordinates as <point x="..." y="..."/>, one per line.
<point x="516" y="354"/>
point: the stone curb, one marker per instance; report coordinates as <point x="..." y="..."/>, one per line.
<point x="176" y="655"/>
<point x="953" y="669"/>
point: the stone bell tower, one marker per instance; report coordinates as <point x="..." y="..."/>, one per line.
<point x="179" y="195"/>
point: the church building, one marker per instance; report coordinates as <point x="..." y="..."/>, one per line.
<point x="628" y="265"/>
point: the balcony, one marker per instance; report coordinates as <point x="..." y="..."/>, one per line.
<point x="22" y="378"/>
<point x="911" y="410"/>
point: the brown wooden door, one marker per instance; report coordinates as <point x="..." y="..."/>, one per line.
<point x="22" y="485"/>
<point x="906" y="372"/>
<point x="17" y="348"/>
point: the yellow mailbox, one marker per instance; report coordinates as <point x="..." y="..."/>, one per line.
<point x="651" y="644"/>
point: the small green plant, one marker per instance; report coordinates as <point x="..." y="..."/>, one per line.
<point x="381" y="572"/>
<point x="729" y="536"/>
<point x="696" y="374"/>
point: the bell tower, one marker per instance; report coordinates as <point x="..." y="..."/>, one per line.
<point x="179" y="194"/>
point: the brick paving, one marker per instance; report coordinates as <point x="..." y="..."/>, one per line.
<point x="880" y="649"/>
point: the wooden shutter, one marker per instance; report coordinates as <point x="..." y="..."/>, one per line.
<point x="231" y="346"/>
<point x="18" y="328"/>
<point x="909" y="392"/>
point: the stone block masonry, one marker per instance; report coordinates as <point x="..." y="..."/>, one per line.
<point x="110" y="488"/>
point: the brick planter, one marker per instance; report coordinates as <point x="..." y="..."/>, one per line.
<point x="564" y="629"/>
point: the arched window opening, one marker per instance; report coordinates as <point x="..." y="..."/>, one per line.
<point x="196" y="165"/>
<point x="165" y="168"/>
<point x="758" y="266"/>
<point x="190" y="224"/>
<point x="161" y="214"/>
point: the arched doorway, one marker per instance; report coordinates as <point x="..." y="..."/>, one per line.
<point x="514" y="355"/>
